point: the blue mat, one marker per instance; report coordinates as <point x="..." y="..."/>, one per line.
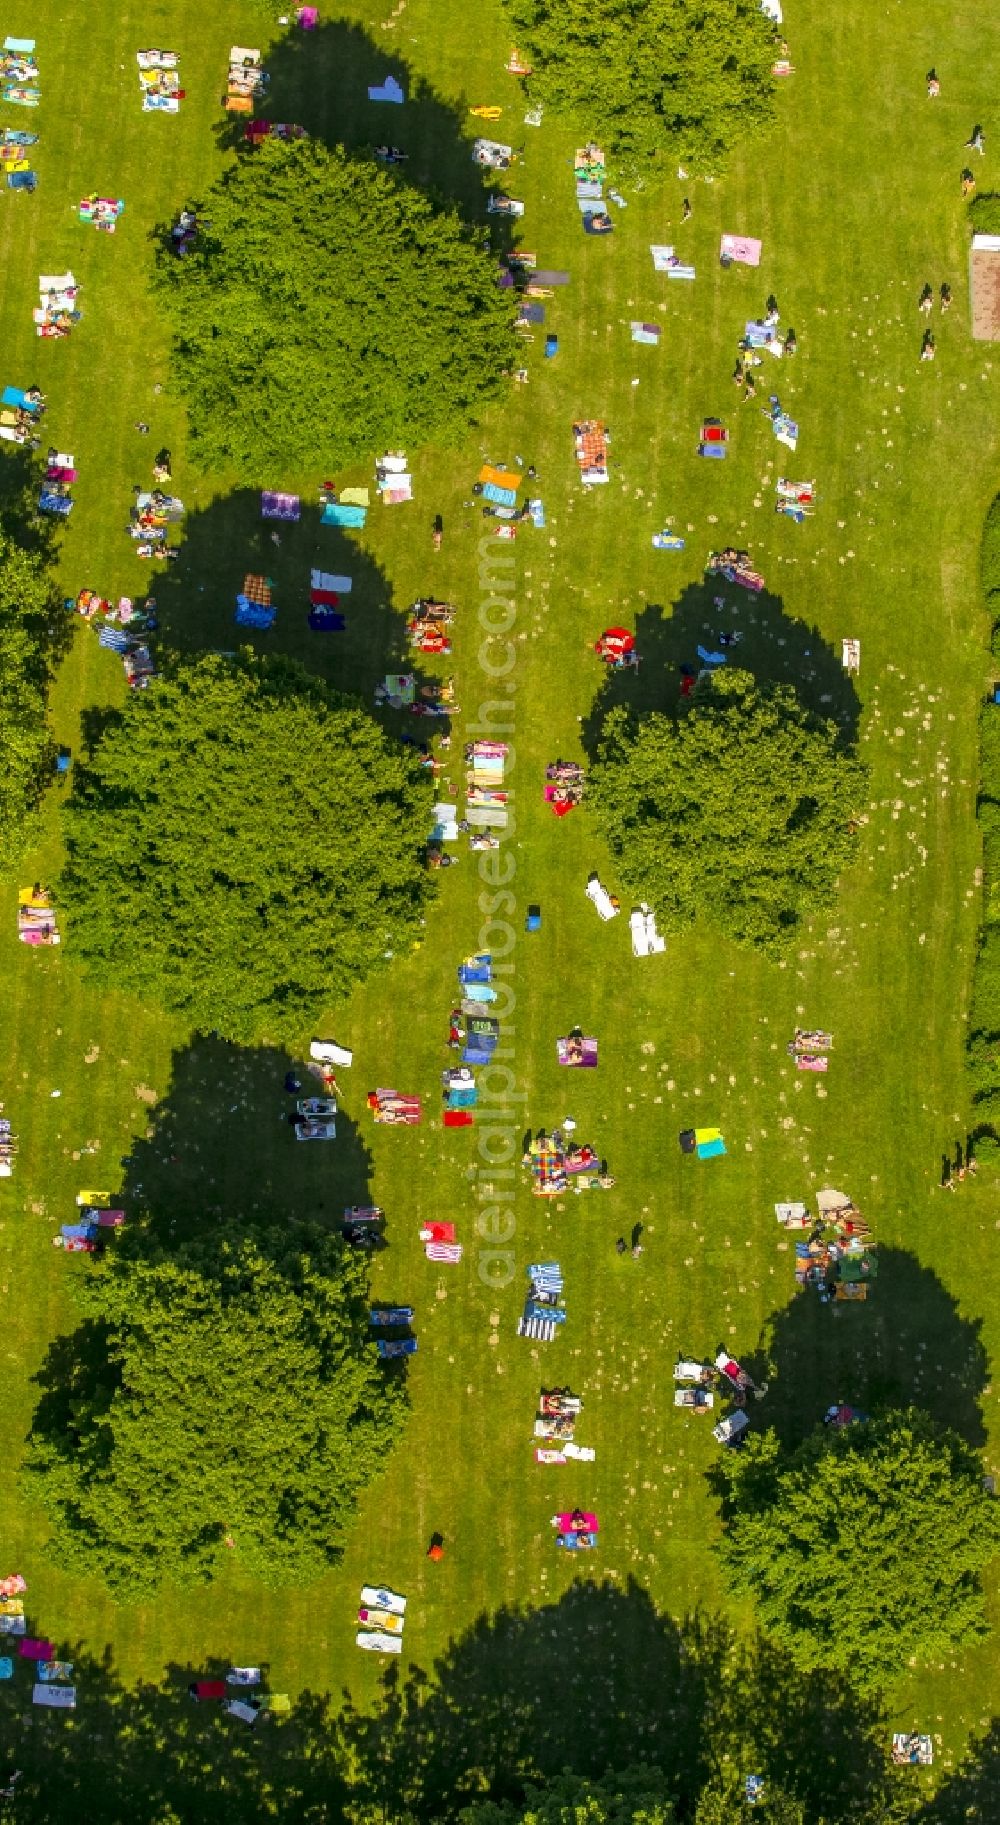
<point x="335" y="515"/>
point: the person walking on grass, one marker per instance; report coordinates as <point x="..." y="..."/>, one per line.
<point x="968" y="182"/>
<point x="976" y="141"/>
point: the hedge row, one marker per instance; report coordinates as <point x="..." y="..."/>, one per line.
<point x="984" y="213"/>
<point x="984" y="1012"/>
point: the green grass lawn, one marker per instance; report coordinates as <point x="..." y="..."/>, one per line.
<point x="856" y="198"/>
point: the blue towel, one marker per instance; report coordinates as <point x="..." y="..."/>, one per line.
<point x="113" y="639"/>
<point x="253" y="614"/>
<point x="715" y="453"/>
<point x="475" y="972"/>
<point x="326" y="621"/>
<point x="335" y="515"/>
<point x="500" y="497"/>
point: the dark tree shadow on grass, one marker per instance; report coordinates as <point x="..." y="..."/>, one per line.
<point x="971" y="1796"/>
<point x="320" y="80"/>
<point x="773" y="646"/>
<point x="597" y="1682"/>
<point x="220" y="1147"/>
<point x="906" y="1345"/>
<point x="221" y="545"/>
<point x="151" y="1753"/>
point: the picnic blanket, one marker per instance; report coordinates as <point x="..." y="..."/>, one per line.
<point x="276" y="506"/>
<point x="337" y="513"/>
<point x="389" y="90"/>
<point x="741" y="249"/>
<point x="581" y="1054"/>
<point x="646" y="332"/>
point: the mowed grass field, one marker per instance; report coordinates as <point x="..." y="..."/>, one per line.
<point x="856" y="198"/>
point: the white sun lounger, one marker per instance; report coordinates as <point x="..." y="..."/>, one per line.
<point x="330" y="1054"/>
<point x="637" y="926"/>
<point x="731" y="1428"/>
<point x="601" y="899"/>
<point x="377" y="1597"/>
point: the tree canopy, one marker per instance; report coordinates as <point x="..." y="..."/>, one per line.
<point x="27" y="752"/>
<point x="635" y="1797"/>
<point x="688" y="77"/>
<point x="736" y="809"/>
<point x="328" y="310"/>
<point x="243" y="846"/>
<point x="863" y="1548"/>
<point x="228" y="1391"/>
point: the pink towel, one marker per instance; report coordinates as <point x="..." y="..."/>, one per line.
<point x="449" y="1252"/>
<point x="30" y="1649"/>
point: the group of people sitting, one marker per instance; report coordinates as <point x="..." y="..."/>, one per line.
<point x="8" y="1147"/>
<point x="735" y="567"/>
<point x="555" y="1161"/>
<point x="19" y="420"/>
<point x="564" y="784"/>
<point x="428" y="624"/>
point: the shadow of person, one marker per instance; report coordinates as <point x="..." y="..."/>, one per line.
<point x="319" y="80"/>
<point x="907" y="1345"/>
<point x="746" y="630"/>
<point x="598" y="1682"/>
<point x="221" y="1143"/>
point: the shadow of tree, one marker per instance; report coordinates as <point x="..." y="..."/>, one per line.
<point x="907" y="1345"/>
<point x="219" y="1145"/>
<point x="772" y="645"/>
<point x="149" y="1752"/>
<point x="971" y="1796"/>
<point x="599" y="1681"/>
<point x="320" y="80"/>
<point x="196" y="600"/>
<point x="21" y="472"/>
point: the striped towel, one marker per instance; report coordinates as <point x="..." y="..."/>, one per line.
<point x="541" y="1328"/>
<point x="113" y="638"/>
<point x="451" y="1252"/>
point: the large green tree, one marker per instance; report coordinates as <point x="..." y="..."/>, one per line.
<point x="230" y="1392"/>
<point x="638" y="1796"/>
<point x="27" y="752"/>
<point x="243" y="846"/>
<point x="690" y="78"/>
<point x="862" y="1549"/>
<point x="326" y="311"/>
<point x="736" y="809"/>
